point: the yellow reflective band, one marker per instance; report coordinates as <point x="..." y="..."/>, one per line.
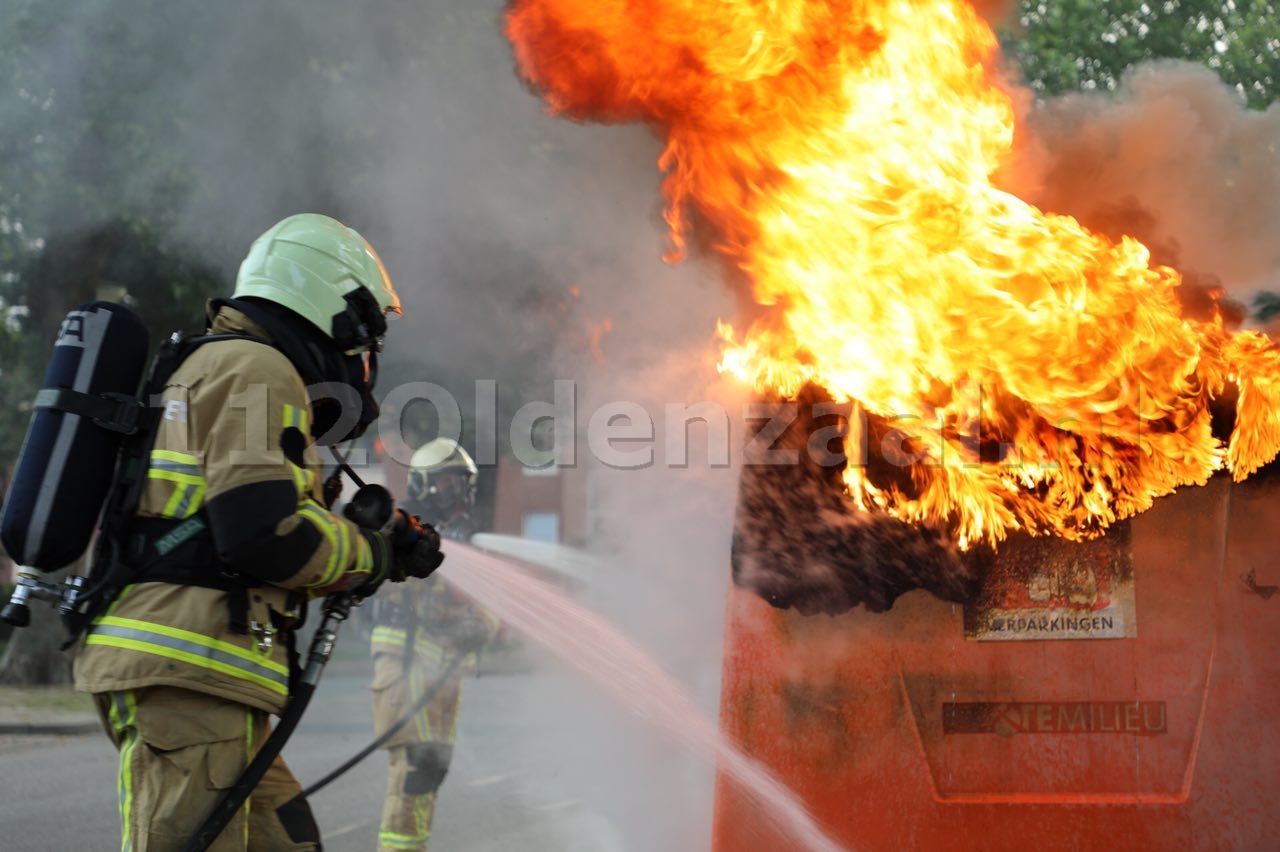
<point x="185" y="501"/>
<point x="249" y="751"/>
<point x="123" y="718"/>
<point x="302" y="479"/>
<point x="184" y="471"/>
<point x="396" y="637"/>
<point x="188" y="493"/>
<point x="344" y="539"/>
<point x="364" y="555"/>
<point x="177" y="644"/>
<point x="297" y="418"/>
<point x="422" y="815"/>
<point x="402" y="841"/>
<point x="99" y="637"/>
<point x="327" y="526"/>
<point x="342" y="535"/>
<point x="175" y="476"/>
<point x="176" y="458"/>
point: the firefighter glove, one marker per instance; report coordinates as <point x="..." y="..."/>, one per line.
<point x="415" y="547"/>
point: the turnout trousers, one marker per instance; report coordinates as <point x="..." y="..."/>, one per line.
<point x="179" y="753"/>
<point x="418" y="754"/>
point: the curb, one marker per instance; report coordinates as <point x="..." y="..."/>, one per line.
<point x="69" y="726"/>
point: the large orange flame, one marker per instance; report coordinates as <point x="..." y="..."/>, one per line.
<point x="842" y="153"/>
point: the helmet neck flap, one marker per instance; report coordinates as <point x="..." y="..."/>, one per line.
<point x="337" y="382"/>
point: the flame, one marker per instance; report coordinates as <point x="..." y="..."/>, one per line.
<point x="842" y="155"/>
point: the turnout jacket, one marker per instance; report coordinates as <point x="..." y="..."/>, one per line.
<point x="439" y="618"/>
<point x="234" y="446"/>
<point x="433" y="615"/>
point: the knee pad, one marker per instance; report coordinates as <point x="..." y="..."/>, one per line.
<point x="428" y="764"/>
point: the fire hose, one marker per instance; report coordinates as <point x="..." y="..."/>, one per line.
<point x="317" y="657"/>
<point x="431" y="692"/>
<point x="337" y="608"/>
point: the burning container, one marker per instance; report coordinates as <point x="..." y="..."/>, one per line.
<point x="1030" y="609"/>
<point x="1113" y="693"/>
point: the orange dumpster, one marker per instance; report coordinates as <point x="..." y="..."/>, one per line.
<point x="1119" y="693"/>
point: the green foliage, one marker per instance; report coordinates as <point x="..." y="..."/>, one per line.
<point x="1069" y="45"/>
<point x="89" y="179"/>
<point x="1266" y="306"/>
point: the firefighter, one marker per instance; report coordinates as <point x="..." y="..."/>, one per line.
<point x="233" y="535"/>
<point x="438" y="623"/>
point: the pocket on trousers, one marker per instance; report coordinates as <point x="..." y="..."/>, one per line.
<point x="226" y="761"/>
<point x="178" y="788"/>
<point x="211" y="766"/>
<point x="172" y="719"/>
<point x="196" y="740"/>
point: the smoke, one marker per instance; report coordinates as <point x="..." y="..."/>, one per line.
<point x="526" y="249"/>
<point x="1173" y="158"/>
<point x="666" y="529"/>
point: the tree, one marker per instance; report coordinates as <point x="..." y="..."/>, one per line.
<point x="1069" y="45"/>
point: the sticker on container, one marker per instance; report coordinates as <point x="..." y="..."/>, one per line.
<point x="1050" y="588"/>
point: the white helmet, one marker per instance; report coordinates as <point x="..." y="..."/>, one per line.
<point x="442" y="475"/>
<point x="326" y="273"/>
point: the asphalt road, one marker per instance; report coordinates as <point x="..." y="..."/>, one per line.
<point x="542" y="764"/>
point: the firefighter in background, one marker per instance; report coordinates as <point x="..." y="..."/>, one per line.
<point x="439" y="624"/>
<point x="233" y="535"/>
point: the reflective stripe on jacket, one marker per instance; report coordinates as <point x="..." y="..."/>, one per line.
<point x="195" y="649"/>
<point x="234" y="423"/>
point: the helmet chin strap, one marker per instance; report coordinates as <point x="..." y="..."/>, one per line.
<point x="359" y="378"/>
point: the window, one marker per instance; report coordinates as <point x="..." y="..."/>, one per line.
<point x="541" y="526"/>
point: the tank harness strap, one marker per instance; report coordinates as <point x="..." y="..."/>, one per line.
<point x="182" y="553"/>
<point x="116" y="412"/>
